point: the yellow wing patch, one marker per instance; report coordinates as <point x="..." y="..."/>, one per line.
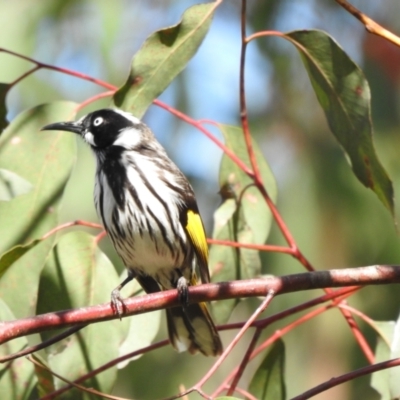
<point x="195" y="229"/>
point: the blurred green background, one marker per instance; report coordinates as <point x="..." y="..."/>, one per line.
<point x="336" y="222"/>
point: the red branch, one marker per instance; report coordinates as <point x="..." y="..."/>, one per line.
<point x="379" y="274"/>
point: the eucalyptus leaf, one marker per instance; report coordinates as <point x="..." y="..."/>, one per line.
<point x="14" y="254"/>
<point x="162" y="57"/>
<point x="344" y="94"/>
<point x="78" y="274"/>
<point x="45" y="160"/>
<point x="268" y="382"/>
<point x="12" y="185"/>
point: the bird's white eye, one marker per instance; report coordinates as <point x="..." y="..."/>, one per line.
<point x="98" y="121"/>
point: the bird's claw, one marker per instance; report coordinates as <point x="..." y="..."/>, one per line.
<point x="117" y="303"/>
<point x="183" y="292"/>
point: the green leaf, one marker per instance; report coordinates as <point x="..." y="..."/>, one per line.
<point x="162" y="57"/>
<point x="42" y="158"/>
<point x="344" y="94"/>
<point x="386" y="382"/>
<point x="80" y="271"/>
<point x="12" y="185"/>
<point x="45" y="160"/>
<point x="143" y="329"/>
<point x="4" y="88"/>
<point x="14" y="254"/>
<point x="17" y="378"/>
<point x="268" y="382"/>
<point x="149" y="324"/>
<point x="243" y="217"/>
<point x="78" y="274"/>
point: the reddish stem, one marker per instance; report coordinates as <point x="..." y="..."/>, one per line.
<point x="260" y="309"/>
<point x="59" y="69"/>
<point x="263" y="323"/>
<point x="243" y="108"/>
<point x="69" y="225"/>
<point x="244" y="362"/>
<point x="94" y="98"/>
<point x="261" y="247"/>
<point x="104" y="367"/>
<point x="200" y="127"/>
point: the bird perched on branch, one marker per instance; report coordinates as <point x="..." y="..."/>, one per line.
<point x="149" y="210"/>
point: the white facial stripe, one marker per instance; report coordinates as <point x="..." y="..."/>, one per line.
<point x="128" y="116"/>
<point x="89" y="138"/>
<point x="80" y="120"/>
<point x="129" y="138"/>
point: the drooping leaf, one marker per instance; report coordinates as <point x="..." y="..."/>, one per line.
<point x="343" y="93"/>
<point x="243" y="217"/>
<point x="268" y="382"/>
<point x="162" y="57"/>
<point x="12" y="185"/>
<point x="14" y="254"/>
<point x="78" y="274"/>
<point x="45" y="160"/>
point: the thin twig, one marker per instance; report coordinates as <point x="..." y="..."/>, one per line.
<point x="260" y="309"/>
<point x="244" y="362"/>
<point x="84" y="389"/>
<point x="59" y="69"/>
<point x="78" y="222"/>
<point x="104" y="367"/>
<point x="262" y="324"/>
<point x="243" y="108"/>
<point x="370" y="25"/>
<point x="348" y="377"/>
<point x="42" y="345"/>
<point x="206" y="132"/>
<point x="260" y="247"/>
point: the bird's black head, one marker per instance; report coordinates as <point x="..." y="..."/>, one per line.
<point x="102" y="128"/>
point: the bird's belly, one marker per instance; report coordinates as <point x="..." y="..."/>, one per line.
<point x="148" y="253"/>
<point x="145" y="251"/>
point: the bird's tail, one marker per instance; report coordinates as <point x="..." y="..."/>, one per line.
<point x="192" y="329"/>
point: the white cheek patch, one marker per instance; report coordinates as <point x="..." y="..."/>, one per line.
<point x="89" y="138"/>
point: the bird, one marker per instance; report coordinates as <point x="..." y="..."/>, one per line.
<point x="149" y="210"/>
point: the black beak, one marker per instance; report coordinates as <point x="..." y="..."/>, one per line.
<point x="64" y="126"/>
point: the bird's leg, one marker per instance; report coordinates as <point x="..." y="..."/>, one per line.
<point x="116" y="300"/>
<point x="182" y="287"/>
